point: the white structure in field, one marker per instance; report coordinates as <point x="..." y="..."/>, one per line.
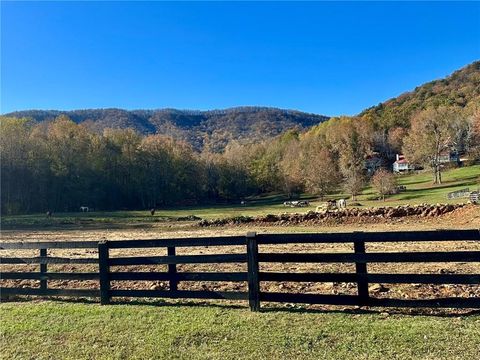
<point x="402" y="165"/>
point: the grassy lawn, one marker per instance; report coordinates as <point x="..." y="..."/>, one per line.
<point x="419" y="190"/>
<point x="56" y="330"/>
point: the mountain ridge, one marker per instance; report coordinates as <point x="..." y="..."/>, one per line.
<point x="210" y="128"/>
<point x="214" y="129"/>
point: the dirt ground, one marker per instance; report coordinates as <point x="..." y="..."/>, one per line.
<point x="466" y="218"/>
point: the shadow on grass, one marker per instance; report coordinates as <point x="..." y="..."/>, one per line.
<point x="467" y="180"/>
<point x="382" y="311"/>
<point x="419" y="193"/>
<point x="211" y="304"/>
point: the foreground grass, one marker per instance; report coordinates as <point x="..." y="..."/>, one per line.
<point x="55" y="330"/>
<point x="419" y="190"/>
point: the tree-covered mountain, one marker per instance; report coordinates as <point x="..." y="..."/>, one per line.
<point x="203" y="129"/>
<point x="69" y="162"/>
<point x="461" y="89"/>
<point x="214" y="129"/>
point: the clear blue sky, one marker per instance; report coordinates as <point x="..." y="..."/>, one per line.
<point x="326" y="58"/>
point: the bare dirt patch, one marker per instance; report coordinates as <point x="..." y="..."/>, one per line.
<point x="467" y="217"/>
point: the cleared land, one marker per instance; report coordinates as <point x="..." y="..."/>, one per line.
<point x="419" y="189"/>
<point x="44" y="329"/>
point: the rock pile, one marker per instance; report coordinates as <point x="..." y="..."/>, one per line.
<point x="422" y="210"/>
<point x="188" y="218"/>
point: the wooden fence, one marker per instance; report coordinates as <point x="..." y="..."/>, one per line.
<point x="474" y="196"/>
<point x="462" y="193"/>
<point x="252" y="276"/>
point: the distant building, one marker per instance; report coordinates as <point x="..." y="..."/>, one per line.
<point x="448" y="156"/>
<point x="373" y="162"/>
<point x="402" y="165"/>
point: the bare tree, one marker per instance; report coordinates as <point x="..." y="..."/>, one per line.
<point x="354" y="182"/>
<point x="384" y="182"/>
<point x="432" y="133"/>
<point x="395" y="139"/>
<point x="351" y="140"/>
<point x="472" y="139"/>
<point x="320" y="171"/>
<point x="290" y="169"/>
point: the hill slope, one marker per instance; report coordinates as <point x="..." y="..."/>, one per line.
<point x="214" y="129"/>
<point x="200" y="128"/>
<point x="462" y="88"/>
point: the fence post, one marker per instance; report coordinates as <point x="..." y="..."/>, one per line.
<point x="104" y="268"/>
<point x="172" y="271"/>
<point x="43" y="269"/>
<point x="253" y="269"/>
<point x="361" y="268"/>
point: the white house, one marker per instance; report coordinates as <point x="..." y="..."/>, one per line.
<point x="402" y="165"/>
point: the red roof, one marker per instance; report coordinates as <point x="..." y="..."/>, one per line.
<point x="401" y="160"/>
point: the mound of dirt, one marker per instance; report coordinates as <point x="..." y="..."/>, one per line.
<point x="349" y="215"/>
<point x="188" y="218"/>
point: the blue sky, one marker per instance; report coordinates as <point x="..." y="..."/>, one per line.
<point x="329" y="58"/>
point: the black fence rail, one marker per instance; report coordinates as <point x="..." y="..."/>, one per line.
<point x="43" y="275"/>
<point x="361" y="276"/>
<point x="172" y="260"/>
<point x="253" y="258"/>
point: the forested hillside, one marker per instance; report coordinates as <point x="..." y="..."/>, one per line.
<point x="115" y="159"/>
<point x="202" y="129"/>
<point x="461" y="89"/>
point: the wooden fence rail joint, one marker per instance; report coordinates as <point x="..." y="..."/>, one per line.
<point x="253" y="272"/>
<point x="104" y="269"/>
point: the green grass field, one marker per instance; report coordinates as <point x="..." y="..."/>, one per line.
<point x="419" y="190"/>
<point x="56" y="330"/>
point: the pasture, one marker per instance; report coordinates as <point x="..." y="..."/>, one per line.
<point x="180" y="329"/>
<point x="49" y="330"/>
<point x="198" y="329"/>
<point x="419" y="189"/>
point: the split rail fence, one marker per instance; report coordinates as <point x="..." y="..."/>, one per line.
<point x="252" y="276"/>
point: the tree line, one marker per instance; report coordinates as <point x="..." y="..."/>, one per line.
<point x="60" y="165"/>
